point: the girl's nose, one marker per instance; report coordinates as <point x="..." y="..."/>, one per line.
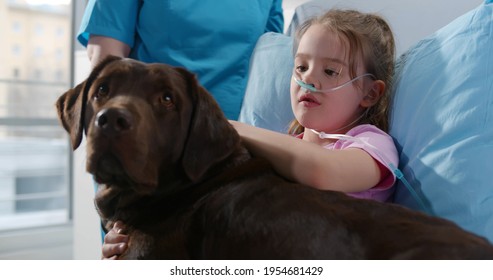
<point x="310" y="79"/>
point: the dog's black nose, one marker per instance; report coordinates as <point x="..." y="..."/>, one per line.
<point x="114" y="120"/>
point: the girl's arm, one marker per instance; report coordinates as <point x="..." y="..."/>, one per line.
<point x="350" y="170"/>
<point x="98" y="47"/>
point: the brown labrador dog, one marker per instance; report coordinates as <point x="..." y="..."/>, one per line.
<point x="172" y="168"/>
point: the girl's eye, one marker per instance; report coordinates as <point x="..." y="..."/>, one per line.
<point x="331" y="73"/>
<point x="301" y="68"/>
<point x="103" y="91"/>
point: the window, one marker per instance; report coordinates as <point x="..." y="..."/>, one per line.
<point x="16" y="50"/>
<point x="15" y="73"/>
<point x="59" y="75"/>
<point x="16" y="27"/>
<point x="36" y="75"/>
<point x="60" y="31"/>
<point x="59" y="55"/>
<point x="38" y="29"/>
<point x="38" y="51"/>
<point x="34" y="148"/>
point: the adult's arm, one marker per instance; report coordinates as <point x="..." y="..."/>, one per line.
<point x="99" y="47"/>
<point x="108" y="27"/>
<point x="275" y="22"/>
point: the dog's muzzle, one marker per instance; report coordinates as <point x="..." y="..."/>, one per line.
<point x="114" y="121"/>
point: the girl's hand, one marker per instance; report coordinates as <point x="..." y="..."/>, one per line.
<point x="115" y="243"/>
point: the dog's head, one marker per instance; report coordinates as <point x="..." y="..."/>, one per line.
<point x="141" y="119"/>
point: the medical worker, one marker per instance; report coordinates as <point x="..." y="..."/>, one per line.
<point x="211" y="38"/>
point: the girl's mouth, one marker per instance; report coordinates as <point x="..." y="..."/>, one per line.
<point x="308" y="100"/>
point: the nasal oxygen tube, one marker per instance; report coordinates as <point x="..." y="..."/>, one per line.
<point x="398" y="173"/>
<point x="313" y="89"/>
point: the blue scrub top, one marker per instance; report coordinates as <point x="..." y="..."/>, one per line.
<point x="211" y="38"/>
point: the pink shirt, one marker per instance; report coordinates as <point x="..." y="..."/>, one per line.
<point x="386" y="152"/>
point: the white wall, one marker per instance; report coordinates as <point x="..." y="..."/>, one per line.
<point x="411" y="21"/>
<point x="87" y="237"/>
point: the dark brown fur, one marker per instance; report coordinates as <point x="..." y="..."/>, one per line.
<point x="173" y="169"/>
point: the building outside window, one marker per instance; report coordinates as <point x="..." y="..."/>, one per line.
<point x="35" y="67"/>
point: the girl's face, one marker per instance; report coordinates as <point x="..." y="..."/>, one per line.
<point x="321" y="60"/>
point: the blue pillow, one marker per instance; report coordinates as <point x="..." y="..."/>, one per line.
<point x="267" y="102"/>
<point x="442" y="121"/>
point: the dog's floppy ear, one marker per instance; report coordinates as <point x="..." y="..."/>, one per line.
<point x="211" y="138"/>
<point x="72" y="104"/>
<point x="70" y="107"/>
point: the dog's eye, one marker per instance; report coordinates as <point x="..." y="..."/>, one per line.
<point x="166" y="100"/>
<point x="102" y="91"/>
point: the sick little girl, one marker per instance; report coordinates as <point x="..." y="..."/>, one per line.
<point x="343" y="65"/>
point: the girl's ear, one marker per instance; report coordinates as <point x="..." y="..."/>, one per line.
<point x="374" y="93"/>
